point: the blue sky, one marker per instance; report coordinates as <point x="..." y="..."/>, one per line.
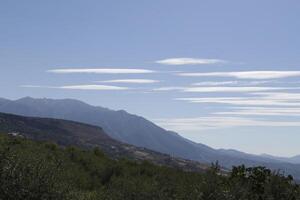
<point x="223" y="73"/>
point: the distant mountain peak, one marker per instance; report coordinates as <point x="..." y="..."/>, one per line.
<point x="26" y="99"/>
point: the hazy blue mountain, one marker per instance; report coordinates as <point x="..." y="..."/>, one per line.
<point x="241" y="155"/>
<point x="120" y="125"/>
<point x="294" y="159"/>
<point x="137" y="131"/>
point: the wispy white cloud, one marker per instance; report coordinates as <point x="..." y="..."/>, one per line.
<point x="246" y="74"/>
<point x="219" y="89"/>
<point x="101" y="71"/>
<point x="258" y="99"/>
<point x="172" y="88"/>
<point x="80" y="87"/>
<point x="138" y="81"/>
<point x="241" y="101"/>
<point x="279" y="95"/>
<point x="232" y="89"/>
<point x="217" y="122"/>
<point x="190" y="61"/>
<point x="93" y="87"/>
<point x="222" y="83"/>
<point x="262" y="111"/>
<point x="211" y="83"/>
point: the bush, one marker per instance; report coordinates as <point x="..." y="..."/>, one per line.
<point x="37" y="170"/>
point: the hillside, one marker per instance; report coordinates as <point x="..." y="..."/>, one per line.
<point x="293" y="159"/>
<point x="39" y="170"/>
<point x="138" y="131"/>
<point x="119" y="125"/>
<point x="69" y="133"/>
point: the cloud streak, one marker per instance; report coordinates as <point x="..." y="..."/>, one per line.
<point x="211" y="83"/>
<point x="241" y="101"/>
<point x="101" y="71"/>
<point x="165" y="89"/>
<point x="211" y="89"/>
<point x="217" y="122"/>
<point x="80" y="87"/>
<point x="262" y="111"/>
<point x="137" y="81"/>
<point x="257" y="99"/>
<point x="232" y="89"/>
<point x="223" y="83"/>
<point x="246" y="74"/>
<point x="190" y="61"/>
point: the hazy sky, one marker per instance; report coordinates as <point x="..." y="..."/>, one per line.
<point x="223" y="73"/>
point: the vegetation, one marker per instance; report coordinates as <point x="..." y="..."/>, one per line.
<point x="40" y="170"/>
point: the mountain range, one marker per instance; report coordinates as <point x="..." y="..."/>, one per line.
<point x="138" y="131"/>
<point x="293" y="159"/>
<point x="69" y="133"/>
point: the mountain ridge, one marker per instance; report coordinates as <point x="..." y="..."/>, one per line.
<point x="293" y="159"/>
<point x="136" y="130"/>
<point x="69" y="133"/>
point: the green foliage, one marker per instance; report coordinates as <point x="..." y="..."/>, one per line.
<point x="39" y="170"/>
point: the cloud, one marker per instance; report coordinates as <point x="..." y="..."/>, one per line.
<point x="241" y="101"/>
<point x="279" y="95"/>
<point x="262" y="111"/>
<point x="138" y="81"/>
<point x="220" y="83"/>
<point x="217" y="122"/>
<point x="246" y="74"/>
<point x="190" y="61"/>
<point x="168" y="88"/>
<point x="232" y="89"/>
<point x="80" y="87"/>
<point x="257" y="99"/>
<point x="93" y="87"/>
<point x="211" y="83"/>
<point x="262" y="104"/>
<point x="211" y="89"/>
<point x="102" y="71"/>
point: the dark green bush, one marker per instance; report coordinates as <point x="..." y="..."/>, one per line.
<point x="38" y="170"/>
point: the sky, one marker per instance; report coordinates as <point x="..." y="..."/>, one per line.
<point x="222" y="73"/>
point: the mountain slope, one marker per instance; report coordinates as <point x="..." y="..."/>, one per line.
<point x="120" y="125"/>
<point x="32" y="170"/>
<point x="69" y="133"/>
<point x="137" y="131"/>
<point x="294" y="159"/>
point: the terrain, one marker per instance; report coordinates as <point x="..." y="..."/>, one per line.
<point x="42" y="170"/>
<point x="68" y="133"/>
<point x="293" y="159"/>
<point x="140" y="132"/>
